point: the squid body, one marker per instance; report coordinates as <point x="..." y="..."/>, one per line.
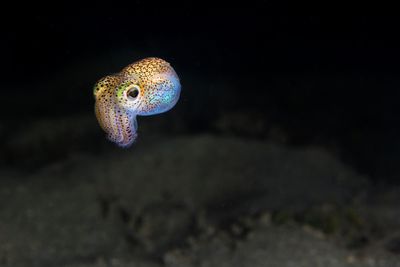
<point x="147" y="87"/>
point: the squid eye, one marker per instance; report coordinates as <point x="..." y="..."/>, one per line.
<point x="133" y="93"/>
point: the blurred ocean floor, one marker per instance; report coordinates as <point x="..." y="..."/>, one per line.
<point x="68" y="197"/>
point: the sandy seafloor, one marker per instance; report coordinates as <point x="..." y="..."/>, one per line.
<point x="186" y="200"/>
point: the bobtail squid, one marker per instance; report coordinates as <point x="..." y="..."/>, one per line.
<point x="147" y="87"/>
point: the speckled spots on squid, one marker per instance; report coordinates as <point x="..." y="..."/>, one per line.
<point x="146" y="87"/>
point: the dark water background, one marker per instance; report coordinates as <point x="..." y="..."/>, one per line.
<point x="323" y="79"/>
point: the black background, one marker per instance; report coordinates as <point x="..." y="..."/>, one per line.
<point x="323" y="78"/>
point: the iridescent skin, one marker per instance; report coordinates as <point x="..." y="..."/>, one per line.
<point x="147" y="87"/>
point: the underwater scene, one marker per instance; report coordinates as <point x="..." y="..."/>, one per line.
<point x="243" y="137"/>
